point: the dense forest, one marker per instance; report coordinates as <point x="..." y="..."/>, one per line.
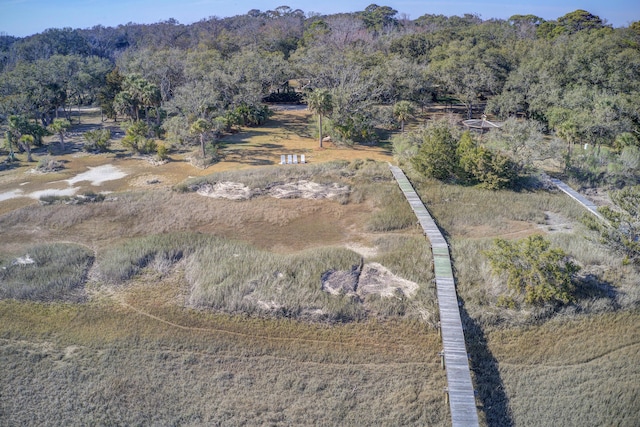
<point x="575" y="78"/>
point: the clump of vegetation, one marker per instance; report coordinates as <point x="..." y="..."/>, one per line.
<point x="97" y="140"/>
<point x="247" y="115"/>
<point x="124" y="261"/>
<point x="394" y="212"/>
<point x="442" y="152"/>
<point x="48" y="164"/>
<point x="622" y="233"/>
<point x="536" y="273"/>
<point x="52" y="272"/>
<point x="162" y="152"/>
<point x="491" y="169"/>
<point x="88" y="197"/>
<point x="137" y="138"/>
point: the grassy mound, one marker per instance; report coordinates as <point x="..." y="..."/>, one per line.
<point x="236" y="277"/>
<point x="54" y="272"/>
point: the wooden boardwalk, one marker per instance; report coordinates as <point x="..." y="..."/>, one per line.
<point x="588" y="204"/>
<point x="462" y="400"/>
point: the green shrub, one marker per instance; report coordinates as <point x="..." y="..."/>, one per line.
<point x="437" y="157"/>
<point x="162" y="152"/>
<point x="491" y="169"/>
<point x="137" y="138"/>
<point x="535" y="272"/>
<point x="97" y="140"/>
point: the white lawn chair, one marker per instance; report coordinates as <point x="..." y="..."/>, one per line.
<point x="282" y="159"/>
<point x="302" y="159"/>
<point x="295" y="159"/>
<point x="289" y="161"/>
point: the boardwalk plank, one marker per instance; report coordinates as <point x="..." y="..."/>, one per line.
<point x="462" y="401"/>
<point x="588" y="204"/>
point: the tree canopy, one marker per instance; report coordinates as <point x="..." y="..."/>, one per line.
<point x="369" y="61"/>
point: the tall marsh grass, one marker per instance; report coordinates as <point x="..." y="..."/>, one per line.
<point x="238" y="278"/>
<point x="49" y="272"/>
<point x="123" y="261"/>
<point x="394" y="212"/>
<point x="456" y="207"/>
<point x="235" y="277"/>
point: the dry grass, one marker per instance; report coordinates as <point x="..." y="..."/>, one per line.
<point x="55" y="272"/>
<point x="110" y="365"/>
<point x="136" y="354"/>
<point x="582" y="371"/>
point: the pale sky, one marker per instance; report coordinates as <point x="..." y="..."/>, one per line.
<point x="25" y="17"/>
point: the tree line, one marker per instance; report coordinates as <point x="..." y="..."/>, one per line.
<point x="575" y="77"/>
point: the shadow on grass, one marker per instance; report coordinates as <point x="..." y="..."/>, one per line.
<point x="9" y="165"/>
<point x="249" y="157"/>
<point x="591" y="287"/>
<point x="269" y="146"/>
<point x="489" y="387"/>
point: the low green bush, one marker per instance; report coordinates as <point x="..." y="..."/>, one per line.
<point x="535" y="272"/>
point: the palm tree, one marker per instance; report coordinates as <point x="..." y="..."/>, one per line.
<point x="568" y="131"/>
<point x="403" y="111"/>
<point x="320" y="102"/>
<point x="150" y="97"/>
<point x="200" y="127"/>
<point x="60" y="126"/>
<point x="27" y="141"/>
<point x="8" y="136"/>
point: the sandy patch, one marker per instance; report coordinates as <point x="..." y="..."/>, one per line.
<point x="226" y="190"/>
<point x="268" y="305"/>
<point x="38" y="194"/>
<point x="373" y="278"/>
<point x="11" y="195"/>
<point x="71" y="351"/>
<point x="23" y="260"/>
<point x="294" y="190"/>
<point x="376" y="279"/>
<point x="554" y="222"/>
<point x="364" y="251"/>
<point x="97" y="175"/>
<point x="307" y="190"/>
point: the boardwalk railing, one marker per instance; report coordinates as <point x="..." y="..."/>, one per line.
<point x="462" y="400"/>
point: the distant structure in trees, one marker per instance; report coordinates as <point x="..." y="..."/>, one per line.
<point x="481" y="125"/>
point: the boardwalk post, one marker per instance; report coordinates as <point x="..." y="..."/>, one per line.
<point x="441" y="354"/>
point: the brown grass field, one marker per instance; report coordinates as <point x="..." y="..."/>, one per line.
<point x="136" y="353"/>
